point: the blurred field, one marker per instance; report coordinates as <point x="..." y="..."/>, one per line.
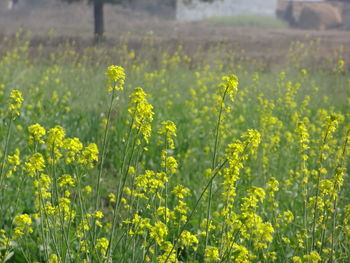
<point x="256" y="21"/>
<point x="271" y="43"/>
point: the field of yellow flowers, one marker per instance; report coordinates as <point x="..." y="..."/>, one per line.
<point x="108" y="155"/>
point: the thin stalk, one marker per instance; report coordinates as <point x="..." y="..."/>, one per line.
<point x="3" y="165"/>
<point x="305" y="194"/>
<point x="333" y="229"/>
<point x="103" y="154"/>
<point x="195" y="207"/>
<point x="42" y="213"/>
<point x="166" y="184"/>
<point x="120" y="187"/>
<point x="335" y="199"/>
<point x="213" y="164"/>
<point x="137" y="226"/>
<point x="318" y="191"/>
<point x="119" y="198"/>
<point x="5" y="149"/>
<point x="228" y="252"/>
<point x="61" y="215"/>
<point x="83" y="211"/>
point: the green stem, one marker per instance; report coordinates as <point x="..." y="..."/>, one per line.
<point x="335" y="199"/>
<point x="195" y="207"/>
<point x="2" y="176"/>
<point x="318" y="190"/>
<point x="119" y="198"/>
<point x="213" y="166"/>
<point x="103" y="154"/>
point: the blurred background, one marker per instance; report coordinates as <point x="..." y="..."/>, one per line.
<point x="257" y="26"/>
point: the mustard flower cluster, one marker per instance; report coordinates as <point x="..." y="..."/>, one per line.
<point x="141" y="113"/>
<point x="303" y="140"/>
<point x="15" y="103"/>
<point x="35" y="164"/>
<point x="89" y="155"/>
<point x="73" y="146"/>
<point x="115" y="78"/>
<point x="36" y="133"/>
<point x="23" y="224"/>
<point x="102" y="245"/>
<point x="230" y="86"/>
<point x="211" y="254"/>
<point x="148" y="183"/>
<point x="14" y="161"/>
<point x="168" y="129"/>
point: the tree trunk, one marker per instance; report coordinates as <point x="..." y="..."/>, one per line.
<point x="99" y="19"/>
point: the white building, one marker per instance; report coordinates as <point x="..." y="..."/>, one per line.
<point x="198" y="10"/>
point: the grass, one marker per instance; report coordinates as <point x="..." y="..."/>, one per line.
<point x="266" y="182"/>
<point x="258" y="21"/>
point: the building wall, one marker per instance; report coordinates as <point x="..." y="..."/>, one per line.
<point x="198" y="10"/>
<point x="161" y="8"/>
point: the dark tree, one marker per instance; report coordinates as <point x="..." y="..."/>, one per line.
<point x="98" y="14"/>
<point x="98" y="18"/>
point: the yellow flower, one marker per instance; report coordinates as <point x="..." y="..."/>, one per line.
<point x="98" y="214"/>
<point x="180" y="191"/>
<point x="66" y="179"/>
<point x="170" y="164"/>
<point x="273" y="184"/>
<point x="42" y="184"/>
<point x="149" y="182"/>
<point x="168" y="129"/>
<point x="230" y="86"/>
<point x="241" y="254"/>
<point x="288" y="217"/>
<point x="159" y="232"/>
<point x="181" y="208"/>
<point x="36" y="133"/>
<point x="5" y="241"/>
<point x="253" y="137"/>
<point x="15" y="102"/>
<point x="102" y="244"/>
<point x="87" y="189"/>
<point x="82" y="227"/>
<point x="115" y="78"/>
<point x="142" y="113"/>
<point x="55" y="141"/>
<point x="112" y="198"/>
<point x="72" y="147"/>
<point x="188" y="240"/>
<point x="211" y="254"/>
<point x="313" y="257"/>
<point x="65" y="208"/>
<point x="14" y="161"/>
<point x="35" y="164"/>
<point x="55" y="136"/>
<point x="169" y="253"/>
<point x="53" y="258"/>
<point x="303" y="140"/>
<point x="297" y="259"/>
<point x="23" y="223"/>
<point x="163" y="211"/>
<point x="89" y="155"/>
<point x="341" y="66"/>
